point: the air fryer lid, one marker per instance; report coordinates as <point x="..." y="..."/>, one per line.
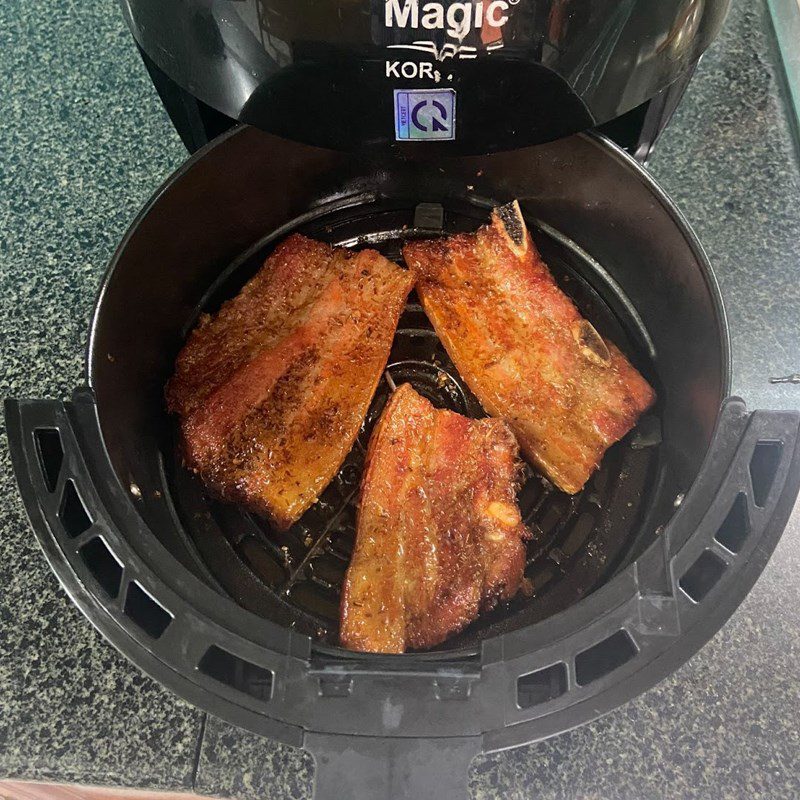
<point x="174" y="579"/>
<point x="467" y="77"/>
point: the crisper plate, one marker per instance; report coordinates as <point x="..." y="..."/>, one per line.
<point x="577" y="539"/>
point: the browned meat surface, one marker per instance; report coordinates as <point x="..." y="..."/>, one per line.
<point x="439" y="536"/>
<point x="271" y="391"/>
<point x="523" y="348"/>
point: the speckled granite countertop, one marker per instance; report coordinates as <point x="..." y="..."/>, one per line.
<point x="83" y="142"/>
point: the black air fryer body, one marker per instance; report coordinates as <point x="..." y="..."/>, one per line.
<point x="460" y="77"/>
<point x="631" y="576"/>
<point x="386" y="120"/>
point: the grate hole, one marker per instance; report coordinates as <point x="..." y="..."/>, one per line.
<point x="604" y="657"/>
<point x="579" y="535"/>
<point x="73" y="513"/>
<point x="146" y="612"/>
<point x="335" y="686"/>
<point x="103" y="564"/>
<point x="262" y="562"/>
<point x="700" y="578"/>
<point x="542" y="685"/>
<point x="51" y="455"/>
<point x="763" y="466"/>
<point x="735" y="527"/>
<point x="244" y="676"/>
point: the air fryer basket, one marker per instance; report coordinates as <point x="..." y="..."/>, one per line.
<point x="296" y="576"/>
<point x="667" y="538"/>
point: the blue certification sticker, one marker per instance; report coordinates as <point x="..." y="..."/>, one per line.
<point x="424" y="114"/>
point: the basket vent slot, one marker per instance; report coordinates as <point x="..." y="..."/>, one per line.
<point x="735" y="527"/>
<point x="51" y="455"/>
<point x="702" y="576"/>
<point x="604" y="657"/>
<point x="236" y="672"/>
<point x="73" y="513"/>
<point x="541" y="686"/>
<point x="103" y="564"/>
<point x="763" y="465"/>
<point x="146" y="612"/>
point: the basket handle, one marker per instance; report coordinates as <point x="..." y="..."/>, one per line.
<point x="382" y="768"/>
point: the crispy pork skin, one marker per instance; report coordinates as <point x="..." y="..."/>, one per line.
<point x="439" y="536"/>
<point x="525" y="350"/>
<point x="272" y="389"/>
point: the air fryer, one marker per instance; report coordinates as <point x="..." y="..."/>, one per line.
<point x="631" y="576"/>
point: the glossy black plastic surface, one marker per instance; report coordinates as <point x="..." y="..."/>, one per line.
<point x="324" y="71"/>
<point x="382" y="727"/>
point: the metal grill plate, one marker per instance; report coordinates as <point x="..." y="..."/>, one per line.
<point x="578" y="540"/>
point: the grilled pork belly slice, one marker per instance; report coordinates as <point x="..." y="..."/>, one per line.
<point x="272" y="390"/>
<point x="439" y="536"/>
<point x="524" y="349"/>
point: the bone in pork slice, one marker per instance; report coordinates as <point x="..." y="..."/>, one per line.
<point x="524" y="349"/>
<point x="439" y="536"/>
<point x="271" y="391"/>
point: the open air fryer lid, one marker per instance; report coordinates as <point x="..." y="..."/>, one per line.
<point x="469" y="77"/>
<point x="692" y="530"/>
